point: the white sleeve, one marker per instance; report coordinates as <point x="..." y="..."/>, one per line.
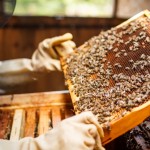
<point x="24" y="144"/>
<point x="15" y="71"/>
<point x="46" y="141"/>
<point x="14" y="66"/>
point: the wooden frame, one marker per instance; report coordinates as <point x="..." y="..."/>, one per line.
<point x="132" y="118"/>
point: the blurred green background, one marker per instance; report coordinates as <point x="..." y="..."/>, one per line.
<point x="83" y="8"/>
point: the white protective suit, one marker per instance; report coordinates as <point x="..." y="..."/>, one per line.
<point x="81" y="132"/>
<point x="45" y="58"/>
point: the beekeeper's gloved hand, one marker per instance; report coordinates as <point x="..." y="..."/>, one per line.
<point x="81" y="132"/>
<point x="45" y="58"/>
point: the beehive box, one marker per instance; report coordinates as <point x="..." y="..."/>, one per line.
<point x="109" y="75"/>
<point x="30" y="115"/>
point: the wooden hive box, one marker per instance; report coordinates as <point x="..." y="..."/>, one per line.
<point x="30" y="115"/>
<point x="92" y="86"/>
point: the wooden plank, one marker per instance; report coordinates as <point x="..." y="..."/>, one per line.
<point x="145" y="12"/>
<point x="35" y="100"/>
<point x="42" y="98"/>
<point x="18" y="125"/>
<point x="5" y="123"/>
<point x="5" y="100"/>
<point x="56" y="116"/>
<point x="20" y="45"/>
<point x="44" y="120"/>
<point x="30" y="123"/>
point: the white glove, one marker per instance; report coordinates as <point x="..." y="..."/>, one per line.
<point x="81" y="132"/>
<point x="45" y="58"/>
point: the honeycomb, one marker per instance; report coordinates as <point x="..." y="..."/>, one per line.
<point x="109" y="74"/>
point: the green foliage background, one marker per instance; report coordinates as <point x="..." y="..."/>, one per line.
<point x="64" y="7"/>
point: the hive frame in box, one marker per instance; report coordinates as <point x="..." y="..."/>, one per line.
<point x="132" y="118"/>
<point x="33" y="114"/>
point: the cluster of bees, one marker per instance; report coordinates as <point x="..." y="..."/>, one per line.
<point x="138" y="138"/>
<point x="109" y="74"/>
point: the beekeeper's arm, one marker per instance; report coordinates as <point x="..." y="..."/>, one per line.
<point x="81" y="132"/>
<point x="45" y="58"/>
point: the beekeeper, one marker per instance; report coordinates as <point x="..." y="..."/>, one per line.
<point x="81" y="132"/>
